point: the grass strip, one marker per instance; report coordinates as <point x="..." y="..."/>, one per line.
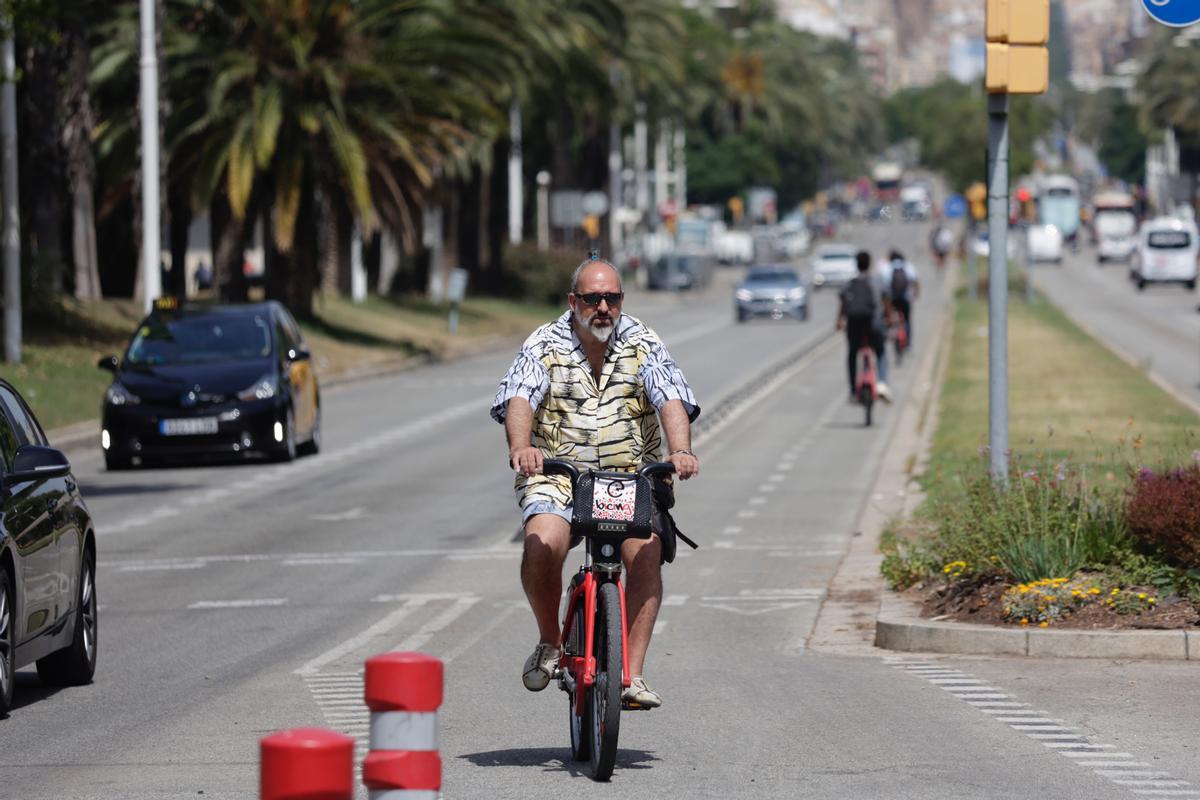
<point x="1070" y="398"/>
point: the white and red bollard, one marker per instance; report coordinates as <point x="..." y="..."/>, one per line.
<point x="403" y="692"/>
<point x="307" y="764"/>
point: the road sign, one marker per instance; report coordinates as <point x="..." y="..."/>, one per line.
<point x="594" y="203"/>
<point x="1176" y="13"/>
<point x="955" y="206"/>
<point x="566" y="208"/>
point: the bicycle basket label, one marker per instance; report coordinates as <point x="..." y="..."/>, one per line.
<point x="614" y="499"/>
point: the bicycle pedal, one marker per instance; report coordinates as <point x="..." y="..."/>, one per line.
<point x="628" y="706"/>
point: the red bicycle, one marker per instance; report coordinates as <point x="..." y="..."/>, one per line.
<point x="866" y="378"/>
<point x="900" y="337"/>
<point x="594" y="667"/>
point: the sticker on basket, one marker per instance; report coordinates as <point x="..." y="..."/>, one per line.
<point x="614" y="498"/>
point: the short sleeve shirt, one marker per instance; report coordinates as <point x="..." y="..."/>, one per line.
<point x="610" y="425"/>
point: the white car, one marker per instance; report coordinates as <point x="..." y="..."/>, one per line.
<point x="1044" y="243"/>
<point x="1166" y="252"/>
<point x="834" y="265"/>
<point x="980" y="246"/>
<point x="734" y="247"/>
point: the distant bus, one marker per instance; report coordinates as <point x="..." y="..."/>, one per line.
<point x="1058" y="204"/>
<point x="886" y="176"/>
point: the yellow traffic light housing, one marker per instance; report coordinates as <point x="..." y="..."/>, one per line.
<point x="1017" y="70"/>
<point x="1017" y="59"/>
<point x="976" y="195"/>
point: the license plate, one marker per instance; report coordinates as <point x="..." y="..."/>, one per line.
<point x="190" y="426"/>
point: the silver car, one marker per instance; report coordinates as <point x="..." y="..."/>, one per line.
<point x="834" y="265"/>
<point x="774" y="291"/>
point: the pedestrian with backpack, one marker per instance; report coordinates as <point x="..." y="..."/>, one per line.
<point x="864" y="309"/>
<point x="904" y="286"/>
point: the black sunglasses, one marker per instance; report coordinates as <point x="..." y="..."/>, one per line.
<point x="594" y="298"/>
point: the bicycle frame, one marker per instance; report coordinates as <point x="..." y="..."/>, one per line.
<point x="582" y="668"/>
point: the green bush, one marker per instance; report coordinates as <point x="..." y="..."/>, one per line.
<point x="538" y="276"/>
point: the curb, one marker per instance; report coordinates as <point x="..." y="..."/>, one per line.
<point x="900" y="627"/>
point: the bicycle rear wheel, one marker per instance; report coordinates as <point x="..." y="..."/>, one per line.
<point x="581" y="724"/>
<point x="605" y="706"/>
<point x="866" y="397"/>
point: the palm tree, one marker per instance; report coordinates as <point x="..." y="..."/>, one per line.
<point x="359" y="100"/>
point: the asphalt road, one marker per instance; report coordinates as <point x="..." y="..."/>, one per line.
<point x="236" y="601"/>
<point x="1157" y="328"/>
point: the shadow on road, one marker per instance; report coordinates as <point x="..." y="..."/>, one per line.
<point x="555" y="759"/>
<point x="91" y="490"/>
<point x="29" y="690"/>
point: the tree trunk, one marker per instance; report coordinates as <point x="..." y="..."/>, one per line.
<point x="41" y="175"/>
<point x="468" y="222"/>
<point x="497" y="214"/>
<point x="180" y="213"/>
<point x="79" y="122"/>
<point x="229" y="242"/>
<point x="292" y="275"/>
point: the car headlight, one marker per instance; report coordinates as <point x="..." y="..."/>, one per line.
<point x="264" y="388"/>
<point x="118" y="395"/>
<point x="745" y="295"/>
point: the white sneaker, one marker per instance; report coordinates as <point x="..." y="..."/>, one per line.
<point x="885" y="394"/>
<point x="640" y="695"/>
<point x="540" y="666"/>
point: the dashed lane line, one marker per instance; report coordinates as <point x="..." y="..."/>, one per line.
<point x="1102" y="757"/>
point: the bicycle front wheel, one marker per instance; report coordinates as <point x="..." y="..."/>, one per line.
<point x="605" y="711"/>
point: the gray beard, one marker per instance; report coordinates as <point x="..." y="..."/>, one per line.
<point x="600" y="333"/>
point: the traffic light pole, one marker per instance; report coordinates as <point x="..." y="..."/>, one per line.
<point x="998" y="285"/>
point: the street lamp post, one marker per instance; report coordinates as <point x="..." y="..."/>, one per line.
<point x="12" y="212"/>
<point x="151" y="213"/>
<point x="543" y="210"/>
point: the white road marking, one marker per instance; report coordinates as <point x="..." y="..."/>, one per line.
<point x="674" y="600"/>
<point x="264" y="602"/>
<point x="732" y="530"/>
<point x="1038" y="726"/>
<point x="757" y="501"/>
<point x="319" y="562"/>
<point x="160" y="567"/>
<point x="426" y="631"/>
<point x="659" y="625"/>
<point x="777" y="478"/>
<point x="768" y="487"/>
<point x="470" y="641"/>
<point x="747" y="513"/>
<point x="362" y="638"/>
<point x="341" y="516"/>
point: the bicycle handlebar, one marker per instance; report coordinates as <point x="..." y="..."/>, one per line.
<point x="552" y="466"/>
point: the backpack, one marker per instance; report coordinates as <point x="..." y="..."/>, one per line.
<point x="899" y="281"/>
<point x="859" y="299"/>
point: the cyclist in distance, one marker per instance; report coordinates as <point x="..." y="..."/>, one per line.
<point x="864" y="309"/>
<point x="590" y="388"/>
<point x="904" y="285"/>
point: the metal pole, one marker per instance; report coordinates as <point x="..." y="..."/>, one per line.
<point x="12" y="207"/>
<point x="998" y="285"/>
<point x="1024" y="228"/>
<point x="516" y="199"/>
<point x="662" y="164"/>
<point x="640" y="156"/>
<point x="614" y="174"/>
<point x="151" y="213"/>
<point x="543" y="210"/>
<point x="972" y="260"/>
<point x="681" y="166"/>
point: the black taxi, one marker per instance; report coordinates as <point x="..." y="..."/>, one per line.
<point x="201" y="381"/>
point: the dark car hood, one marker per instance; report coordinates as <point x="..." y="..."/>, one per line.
<point x="168" y="383"/>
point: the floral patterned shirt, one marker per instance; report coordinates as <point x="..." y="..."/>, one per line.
<point x="610" y="425"/>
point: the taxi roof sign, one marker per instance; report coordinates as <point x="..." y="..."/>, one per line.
<point x="166" y="303"/>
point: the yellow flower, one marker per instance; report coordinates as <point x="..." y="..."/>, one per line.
<point x="1141" y="595"/>
<point x="1115" y="591"/>
<point x="1024" y="621"/>
<point x="1093" y="590"/>
<point x="1043" y="624"/>
<point x="1151" y="601"/>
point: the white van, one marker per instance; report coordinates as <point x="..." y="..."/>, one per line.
<point x="1114" y="226"/>
<point x="1166" y="252"/>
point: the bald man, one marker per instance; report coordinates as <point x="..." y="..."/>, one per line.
<point x="590" y="388"/>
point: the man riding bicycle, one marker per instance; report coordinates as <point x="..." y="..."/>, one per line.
<point x="904" y="286"/>
<point x="864" y="309"/>
<point x="589" y="388"/>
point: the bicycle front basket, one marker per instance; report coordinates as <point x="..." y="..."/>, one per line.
<point x="612" y="505"/>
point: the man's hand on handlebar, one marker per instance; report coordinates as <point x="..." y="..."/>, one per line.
<point x="526" y="460"/>
<point x="686" y="464"/>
